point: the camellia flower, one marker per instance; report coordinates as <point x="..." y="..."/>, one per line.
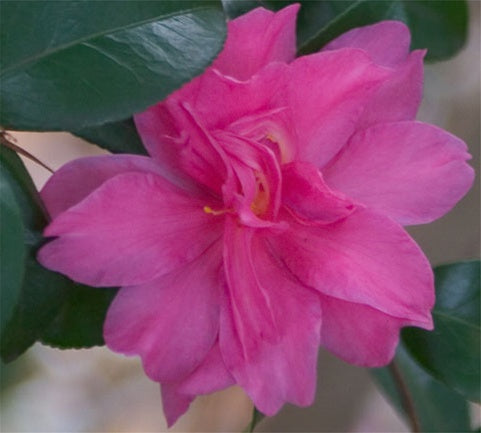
<point x="267" y="220"/>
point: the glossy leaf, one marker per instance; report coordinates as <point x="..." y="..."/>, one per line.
<point x="12" y="253"/>
<point x="437" y="408"/>
<point x="451" y="352"/>
<point x="117" y="137"/>
<point x="74" y="64"/>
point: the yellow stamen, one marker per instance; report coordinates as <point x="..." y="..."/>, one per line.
<point x="208" y="209"/>
<point x="283" y="150"/>
<point x="261" y="200"/>
<point x="270" y="137"/>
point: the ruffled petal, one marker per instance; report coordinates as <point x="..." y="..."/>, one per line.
<point x="221" y="100"/>
<point x="309" y="199"/>
<point x="171" y="322"/>
<point x="210" y="376"/>
<point x="256" y="39"/>
<point x="77" y="179"/>
<point x="270" y="325"/>
<point x="133" y="228"/>
<point x="217" y="102"/>
<point x="365" y="258"/>
<point x="409" y="171"/>
<point x="163" y="139"/>
<point x="387" y="42"/>
<point x="359" y="334"/>
<point x="327" y="94"/>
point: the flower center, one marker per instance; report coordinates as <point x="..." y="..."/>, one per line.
<point x="260" y="204"/>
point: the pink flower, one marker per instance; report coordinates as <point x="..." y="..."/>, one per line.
<point x="268" y="220"/>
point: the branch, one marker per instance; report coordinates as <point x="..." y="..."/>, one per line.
<point x="406" y="398"/>
<point x="8" y="141"/>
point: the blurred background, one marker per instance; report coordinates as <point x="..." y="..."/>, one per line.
<point x="48" y="390"/>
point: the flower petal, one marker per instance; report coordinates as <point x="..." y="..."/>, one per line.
<point x="365" y="258"/>
<point x="210" y="376"/>
<point x="216" y="100"/>
<point x="171" y="322"/>
<point x="309" y="199"/>
<point x="327" y="94"/>
<point x="134" y="227"/>
<point x="399" y="97"/>
<point x="387" y="42"/>
<point x="359" y="334"/>
<point x="174" y="403"/>
<point x="409" y="171"/>
<point x="270" y="325"/>
<point x="77" y="179"/>
<point x="256" y="39"/>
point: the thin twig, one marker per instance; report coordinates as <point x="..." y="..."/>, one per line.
<point x="7" y="141"/>
<point x="406" y="398"/>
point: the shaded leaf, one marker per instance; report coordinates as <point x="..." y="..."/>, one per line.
<point x="80" y="319"/>
<point x="49" y="305"/>
<point x="451" y="352"/>
<point x="73" y="64"/>
<point x="439" y="26"/>
<point x="42" y="297"/>
<point x="234" y="8"/>
<point x="12" y="253"/>
<point x="437" y="408"/>
<point x="13" y="172"/>
<point x="117" y="137"/>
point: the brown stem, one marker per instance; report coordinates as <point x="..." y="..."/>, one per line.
<point x="406" y="398"/>
<point x="7" y="141"/>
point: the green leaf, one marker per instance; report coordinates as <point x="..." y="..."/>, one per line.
<point x="439" y="26"/>
<point x="313" y="17"/>
<point x="12" y="253"/>
<point x="346" y="16"/>
<point x="56" y="311"/>
<point x="69" y="65"/>
<point x="437" y="408"/>
<point x="451" y="352"/>
<point x="257" y="417"/>
<point x="43" y="294"/>
<point x="79" y="321"/>
<point x="117" y="137"/>
<point x="49" y="306"/>
<point x="234" y="8"/>
<point x="13" y="172"/>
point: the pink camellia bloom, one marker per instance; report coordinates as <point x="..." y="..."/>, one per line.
<point x="267" y="220"/>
